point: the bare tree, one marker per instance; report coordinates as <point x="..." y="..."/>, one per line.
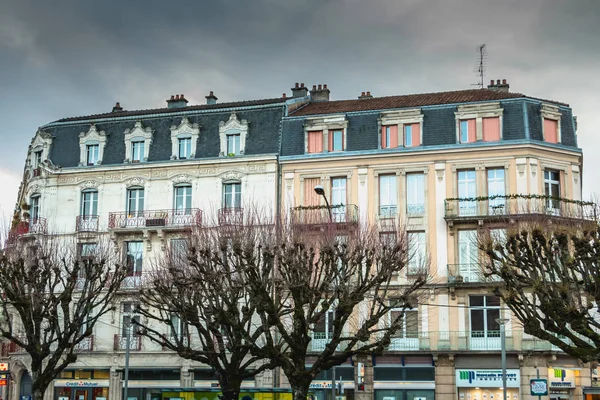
<point x="550" y="280"/>
<point x="51" y="300"/>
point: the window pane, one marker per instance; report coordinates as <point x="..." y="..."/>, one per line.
<point x="477" y="323"/>
<point x="476" y="301"/>
<point x="492" y="301"/>
<point x="464" y="131"/>
<point x="408" y="135"/>
<point x="337" y="141"/>
<point x="492" y="316"/>
<point x="412" y="324"/>
<point x="415" y="194"/>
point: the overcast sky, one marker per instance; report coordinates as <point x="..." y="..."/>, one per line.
<point x="66" y="58"/>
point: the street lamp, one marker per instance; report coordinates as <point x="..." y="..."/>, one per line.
<point x="502" y="322"/>
<point x="321" y="192"/>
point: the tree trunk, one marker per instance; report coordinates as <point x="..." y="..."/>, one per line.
<point x="300" y="389"/>
<point x="230" y="394"/>
<point x="37" y="394"/>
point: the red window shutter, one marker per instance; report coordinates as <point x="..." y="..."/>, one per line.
<point x="416" y="135"/>
<point x="491" y="129"/>
<point x="550" y="130"/>
<point x="393" y="136"/>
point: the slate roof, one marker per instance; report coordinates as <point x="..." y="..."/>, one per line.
<point x="410" y="100"/>
<point x="127" y="113"/>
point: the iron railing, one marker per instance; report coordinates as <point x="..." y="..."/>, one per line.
<point x="337" y="214"/>
<point x="86" y="223"/>
<point x="183" y="218"/>
<point x="33" y="226"/>
<point x="231" y="216"/>
<point x="135" y="343"/>
<point x="513" y="205"/>
<point x="86" y="345"/>
<point x="468" y="273"/>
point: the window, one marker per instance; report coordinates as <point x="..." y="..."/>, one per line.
<point x="130" y="315"/>
<point x="92" y="154"/>
<point x="89" y="204"/>
<point x="468" y="256"/>
<point x="467" y="190"/>
<point x="135" y="252"/>
<point x="85" y="323"/>
<point x="182" y="202"/>
<point x="179" y="248"/>
<point x="37" y="159"/>
<point x="409" y="326"/>
<point x="87" y="250"/>
<point x="551" y="189"/>
<point x="315" y="142"/>
<point x="484" y="311"/>
<point x="185" y="148"/>
<point x="415" y="194"/>
<point x="388" y="239"/>
<point x="388" y="197"/>
<point x="232" y="195"/>
<point x="491" y="129"/>
<point x="233" y="144"/>
<point x="177" y="326"/>
<point x="550" y="130"/>
<point x="338" y="199"/>
<point x="468" y="131"/>
<point x="135" y="202"/>
<point x="336" y="140"/>
<point x="412" y="135"/>
<point x="389" y="137"/>
<point x="496" y="191"/>
<point x="34" y="207"/>
<point x="416" y="254"/>
<point x="323" y="329"/>
<point x="137" y="151"/>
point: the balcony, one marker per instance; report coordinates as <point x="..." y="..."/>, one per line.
<point x="134" y="280"/>
<point x="319" y="342"/>
<point x="37" y="172"/>
<point x="86" y="345"/>
<point x="185" y="339"/>
<point x="468" y="274"/>
<point x="231" y="216"/>
<point x="31" y="227"/>
<point x="86" y="223"/>
<point x="340" y="217"/>
<point x="155" y="219"/>
<point x="512" y="206"/>
<point x="135" y="343"/>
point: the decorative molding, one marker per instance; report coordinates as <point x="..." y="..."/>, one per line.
<point x="231" y="175"/>
<point x="410" y="116"/>
<point x="185" y="130"/>
<point x="92" y="136"/>
<point x="33" y="189"/>
<point x="42" y="141"/>
<point x="138" y="132"/>
<point x="90" y="184"/>
<point x="232" y="127"/>
<point x="440" y="169"/>
<point x="135" y="181"/>
<point x="182" y="178"/>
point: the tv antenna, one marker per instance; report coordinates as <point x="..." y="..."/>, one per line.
<point x="481" y="67"/>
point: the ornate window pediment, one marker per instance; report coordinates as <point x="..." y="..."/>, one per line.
<point x="233" y="135"/>
<point x="39" y="148"/>
<point x="138" y="134"/>
<point x="88" y="154"/>
<point x="185" y="130"/>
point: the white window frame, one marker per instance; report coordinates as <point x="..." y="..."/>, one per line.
<point x="184" y="192"/>
<point x="417" y="242"/>
<point x="138" y="200"/>
<point x="401" y="118"/>
<point x="186" y="144"/>
<point x="92" y="202"/>
<point x="413" y="192"/>
<point x="388" y="208"/>
<point x="552" y="205"/>
<point x="326" y="125"/>
<point x="41" y="142"/>
<point x="138" y="267"/>
<point x="467" y="207"/>
<point x="184" y="130"/>
<point x="138" y="134"/>
<point x="468" y="260"/>
<point x="35" y="201"/>
<point x="233" y="126"/>
<point x="478" y="112"/>
<point x="91" y="138"/>
<point x="233" y="144"/>
<point x="235" y="193"/>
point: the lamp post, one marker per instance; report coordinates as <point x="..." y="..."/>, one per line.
<point x="502" y="322"/>
<point x="321" y="192"/>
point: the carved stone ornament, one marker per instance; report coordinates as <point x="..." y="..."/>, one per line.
<point x="186" y="129"/>
<point x="231" y="176"/>
<point x="33" y="189"/>
<point x="138" y="132"/>
<point x="89" y="185"/>
<point x="135" y="182"/>
<point x="233" y="126"/>
<point x="182" y="178"/>
<point x="92" y="136"/>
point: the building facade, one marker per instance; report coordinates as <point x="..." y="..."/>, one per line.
<point x="447" y="166"/>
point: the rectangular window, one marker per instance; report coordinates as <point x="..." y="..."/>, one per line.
<point x="137" y="151"/>
<point x="183" y="199"/>
<point x="34" y="208"/>
<point x="552" y="190"/>
<point x="135" y="252"/>
<point x="315" y="142"/>
<point x="37" y="159"/>
<point x="388" y="239"/>
<point x="232" y="195"/>
<point x="415" y="194"/>
<point x="92" y="154"/>
<point x="389" y="137"/>
<point x="130" y="314"/>
<point x="388" y="196"/>
<point x="496" y="190"/>
<point x="491" y="129"/>
<point x="468" y="256"/>
<point x="468" y="131"/>
<point x="179" y="248"/>
<point x="177" y="326"/>
<point x="323" y="329"/>
<point x="87" y="249"/>
<point x="185" y="148"/>
<point x="484" y="311"/>
<point x="417" y="254"/>
<point x="135" y="202"/>
<point x="550" y="130"/>
<point x="412" y="135"/>
<point x="467" y="190"/>
<point x="233" y="145"/>
<point x="338" y="199"/>
<point x="409" y="328"/>
<point x="336" y="140"/>
<point x="89" y="203"/>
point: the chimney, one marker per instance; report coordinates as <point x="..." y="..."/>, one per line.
<point x="117" y="107"/>
<point x="319" y="93"/>
<point x="177" y="101"/>
<point x="499" y="86"/>
<point x="365" y="95"/>
<point x="211" y="98"/>
<point x="299" y="90"/>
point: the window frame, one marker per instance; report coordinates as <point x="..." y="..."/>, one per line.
<point x="418" y="193"/>
<point x="388" y="210"/>
<point x="187" y="148"/>
<point x="185" y="196"/>
<point x="233" y="144"/>
<point x="137" y="257"/>
<point x="139" y="201"/>
<point x="139" y="146"/>
<point x="93" y="203"/>
<point x="235" y="195"/>
<point x="418" y="260"/>
<point x="337" y="134"/>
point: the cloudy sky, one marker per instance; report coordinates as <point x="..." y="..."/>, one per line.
<point x="75" y="57"/>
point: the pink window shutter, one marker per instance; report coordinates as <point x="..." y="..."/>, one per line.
<point x="472" y="130"/>
<point x="330" y="137"/>
<point x="384" y="144"/>
<point x="393" y="136"/>
<point x="491" y="129"/>
<point x="416" y="135"/>
<point x="550" y="130"/>
<point x="315" y="142"/>
<point x="310" y="197"/>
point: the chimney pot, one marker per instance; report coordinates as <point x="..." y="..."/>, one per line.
<point x="302" y="85"/>
<point x="368" y="93"/>
<point x="297" y="85"/>
<point x="117" y="107"/>
<point x="320" y="87"/>
<point x="324" y="86"/>
<point x="176" y="97"/>
<point x="362" y="93"/>
<point x="491" y="81"/>
<point x="181" y="96"/>
<point x="299" y="91"/>
<point x="504" y="81"/>
<point x="314" y="87"/>
<point x="284" y="95"/>
<point x="211" y="98"/>
<point x="172" y="97"/>
<point x="497" y="81"/>
<point x="118" y="104"/>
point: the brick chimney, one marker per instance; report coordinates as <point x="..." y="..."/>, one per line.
<point x="177" y="101"/>
<point x="365" y="95"/>
<point x="299" y="90"/>
<point x="499" y="86"/>
<point x="211" y="98"/>
<point x="319" y="93"/>
<point x="117" y="107"/>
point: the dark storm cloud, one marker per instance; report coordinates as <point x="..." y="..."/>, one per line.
<point x="63" y="58"/>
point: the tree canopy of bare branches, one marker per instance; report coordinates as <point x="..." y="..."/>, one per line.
<point x="256" y="295"/>
<point x="551" y="283"/>
<point x="51" y="300"/>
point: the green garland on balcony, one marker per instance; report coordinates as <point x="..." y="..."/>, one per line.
<point x="522" y="196"/>
<point x="320" y="207"/>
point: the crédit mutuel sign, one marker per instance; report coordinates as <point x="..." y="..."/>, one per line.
<point x="487" y="378"/>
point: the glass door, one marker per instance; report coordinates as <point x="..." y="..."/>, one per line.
<point x="496" y="191"/>
<point x="468" y="260"/>
<point x="467" y="190"/>
<point x="338" y="199"/>
<point x="485" y="329"/>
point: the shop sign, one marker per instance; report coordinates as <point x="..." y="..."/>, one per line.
<point x="487" y="378"/>
<point x="3" y="366"/>
<point x="562" y="378"/>
<point x="320" y="385"/>
<point x="81" y="383"/>
<point x="539" y="387"/>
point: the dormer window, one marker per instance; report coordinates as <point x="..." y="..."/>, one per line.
<point x="183" y="139"/>
<point x="233" y="134"/>
<point x="137" y="151"/>
<point x="185" y="148"/>
<point x="468" y="131"/>
<point x="336" y="140"/>
<point x="479" y="122"/>
<point x="325" y="134"/>
<point x="551" y="123"/>
<point x="401" y="128"/>
<point x="412" y="135"/>
<point x="37" y="159"/>
<point x="39" y="151"/>
<point x="91" y="146"/>
<point x="137" y="143"/>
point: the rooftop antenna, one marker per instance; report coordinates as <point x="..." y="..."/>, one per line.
<point x="481" y="67"/>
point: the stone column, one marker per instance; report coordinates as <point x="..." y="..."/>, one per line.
<point x="369" y="392"/>
<point x="441" y="229"/>
<point x="445" y="386"/>
<point x="115" y="390"/>
<point x="187" y="377"/>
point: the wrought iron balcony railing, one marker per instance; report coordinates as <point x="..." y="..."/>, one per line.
<point x="468" y="273"/>
<point x="182" y="218"/>
<point x="33" y="226"/>
<point x="135" y="343"/>
<point x="86" y="345"/>
<point x="515" y="205"/>
<point x="319" y="215"/>
<point x="86" y="223"/>
<point x="231" y="216"/>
